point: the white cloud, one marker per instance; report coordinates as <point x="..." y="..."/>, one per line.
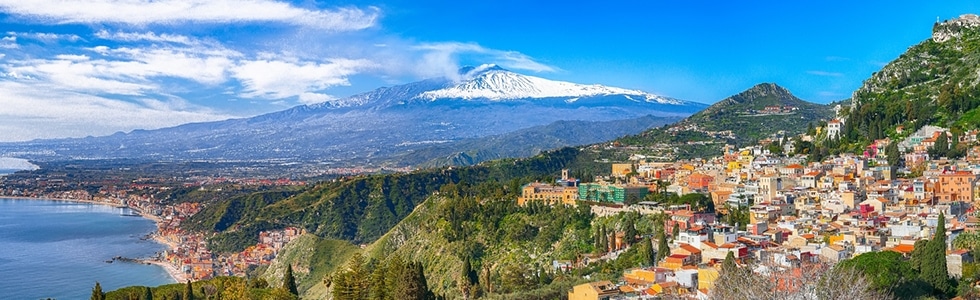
<point x="443" y="58"/>
<point x="141" y="12"/>
<point x="313" y="98"/>
<point x="276" y="79"/>
<point x="47" y="37"/>
<point x="37" y="110"/>
<point x="146" y="36"/>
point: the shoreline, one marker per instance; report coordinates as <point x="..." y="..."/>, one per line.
<point x="175" y="274"/>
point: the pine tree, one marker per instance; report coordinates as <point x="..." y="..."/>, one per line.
<point x="97" y="293"/>
<point x="377" y="286"/>
<point x="413" y="285"/>
<point x="351" y="283"/>
<point x="147" y="294"/>
<point x="188" y="291"/>
<point x="289" y="282"/>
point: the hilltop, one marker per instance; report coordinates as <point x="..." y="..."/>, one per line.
<point x="933" y="83"/>
<point x="759" y="112"/>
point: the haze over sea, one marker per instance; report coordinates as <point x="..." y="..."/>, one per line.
<point x="58" y="249"/>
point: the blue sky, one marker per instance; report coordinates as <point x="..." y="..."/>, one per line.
<point x="94" y="67"/>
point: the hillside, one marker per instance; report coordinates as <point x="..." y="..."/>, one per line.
<point x="757" y="113"/>
<point x="363" y="208"/>
<point x="933" y="82"/>
<point x="528" y="142"/>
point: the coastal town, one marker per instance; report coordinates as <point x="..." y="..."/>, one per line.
<point x="799" y="213"/>
<point x="765" y="206"/>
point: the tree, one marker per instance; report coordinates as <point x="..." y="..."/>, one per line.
<point x="941" y="147"/>
<point x="888" y="271"/>
<point x="147" y="293"/>
<point x="188" y="291"/>
<point x="675" y="232"/>
<point x="604" y="240"/>
<point x="647" y="256"/>
<point x="894" y="157"/>
<point x="468" y="281"/>
<point x="97" y="293"/>
<point x="629" y="229"/>
<point x="413" y="285"/>
<point x="289" y="282"/>
<point x="933" y="263"/>
<point x="236" y="290"/>
<point x="351" y="282"/>
<point x="662" y="248"/>
<point x="810" y="281"/>
<point x="729" y="265"/>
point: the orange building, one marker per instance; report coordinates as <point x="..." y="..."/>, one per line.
<point x="549" y="194"/>
<point x="956" y="186"/>
<point x="699" y="181"/>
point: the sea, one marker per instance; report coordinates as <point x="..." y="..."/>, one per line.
<point x="58" y="249"/>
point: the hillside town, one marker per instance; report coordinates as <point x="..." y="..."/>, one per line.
<point x="799" y="212"/>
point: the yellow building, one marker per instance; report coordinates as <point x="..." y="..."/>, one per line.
<point x="548" y="194"/>
<point x="593" y="291"/>
<point x="707" y="277"/>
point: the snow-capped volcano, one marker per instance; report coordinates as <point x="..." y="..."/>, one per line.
<point x="433" y="117"/>
<point x="494" y="83"/>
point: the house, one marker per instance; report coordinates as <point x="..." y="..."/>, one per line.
<point x="834" y="253"/>
<point x="955" y="261"/>
<point x="594" y="290"/>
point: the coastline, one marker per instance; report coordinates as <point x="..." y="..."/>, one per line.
<point x="177" y="275"/>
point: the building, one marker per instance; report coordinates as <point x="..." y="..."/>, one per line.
<point x="834" y="128"/>
<point x="611" y="193"/>
<point x="956" y="186"/>
<point x="548" y="194"/>
<point x="594" y="290"/>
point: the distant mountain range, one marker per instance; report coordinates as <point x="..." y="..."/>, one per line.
<point x="441" y="120"/>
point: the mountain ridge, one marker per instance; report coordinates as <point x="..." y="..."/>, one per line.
<point x="365" y="129"/>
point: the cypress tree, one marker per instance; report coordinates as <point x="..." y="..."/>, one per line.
<point x="933" y="264"/>
<point x="596" y="242"/>
<point x="188" y="291"/>
<point x="662" y="248"/>
<point x="604" y="237"/>
<point x="729" y="265"/>
<point x="147" y="294"/>
<point x="289" y="282"/>
<point x="648" y="256"/>
<point x="97" y="293"/>
<point x="629" y="231"/>
<point x="675" y="232"/>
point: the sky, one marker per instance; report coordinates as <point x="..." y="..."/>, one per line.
<point x="96" y="67"/>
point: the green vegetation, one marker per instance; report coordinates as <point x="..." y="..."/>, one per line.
<point x="889" y="272"/>
<point x="363" y="208"/>
<point x="909" y="90"/>
<point x="743" y="116"/>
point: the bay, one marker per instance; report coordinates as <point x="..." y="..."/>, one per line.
<point x="58" y="249"/>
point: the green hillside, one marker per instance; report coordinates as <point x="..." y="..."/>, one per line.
<point x="741" y="119"/>
<point x="933" y="82"/>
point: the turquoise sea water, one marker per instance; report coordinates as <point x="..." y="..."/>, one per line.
<point x="58" y="249"/>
